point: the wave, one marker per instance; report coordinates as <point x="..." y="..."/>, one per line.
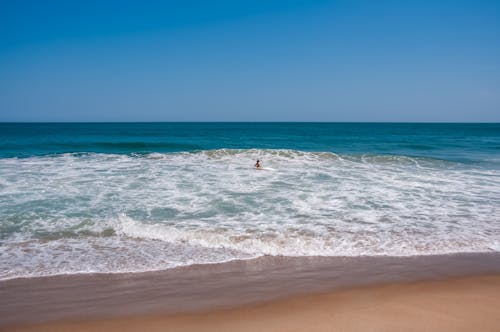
<point x="35" y="149"/>
<point x="162" y="150"/>
<point x="293" y="241"/>
<point x="312" y="158"/>
<point x="267" y="154"/>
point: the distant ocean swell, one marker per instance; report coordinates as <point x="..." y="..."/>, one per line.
<point x="101" y="212"/>
<point x="105" y="145"/>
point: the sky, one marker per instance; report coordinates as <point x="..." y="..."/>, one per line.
<point x="259" y="60"/>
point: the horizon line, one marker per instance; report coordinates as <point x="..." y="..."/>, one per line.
<point x="257" y="122"/>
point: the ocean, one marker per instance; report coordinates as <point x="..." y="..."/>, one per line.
<point x="131" y="197"/>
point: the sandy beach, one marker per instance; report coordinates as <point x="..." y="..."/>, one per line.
<point x="434" y="293"/>
<point x="457" y="304"/>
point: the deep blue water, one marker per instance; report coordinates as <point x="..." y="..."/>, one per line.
<point x="457" y="142"/>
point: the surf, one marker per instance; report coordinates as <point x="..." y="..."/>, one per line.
<point x="143" y="211"/>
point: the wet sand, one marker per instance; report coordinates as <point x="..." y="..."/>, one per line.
<point x="448" y="292"/>
<point x="457" y="304"/>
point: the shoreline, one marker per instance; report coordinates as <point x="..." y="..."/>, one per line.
<point x="197" y="289"/>
<point x="243" y="260"/>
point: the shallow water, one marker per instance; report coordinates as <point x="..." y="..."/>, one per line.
<point x="120" y="197"/>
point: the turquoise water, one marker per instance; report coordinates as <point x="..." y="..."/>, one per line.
<point x="455" y="142"/>
<point x="117" y="197"/>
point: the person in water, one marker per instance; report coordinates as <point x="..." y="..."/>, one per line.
<point x="257" y="164"/>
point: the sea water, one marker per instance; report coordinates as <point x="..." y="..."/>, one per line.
<point x="124" y="197"/>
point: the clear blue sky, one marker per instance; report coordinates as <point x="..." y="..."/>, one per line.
<point x="257" y="60"/>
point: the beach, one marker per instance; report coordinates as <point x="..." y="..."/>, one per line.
<point x="462" y="304"/>
<point x="437" y="293"/>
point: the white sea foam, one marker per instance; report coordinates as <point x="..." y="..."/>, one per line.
<point x="107" y="213"/>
